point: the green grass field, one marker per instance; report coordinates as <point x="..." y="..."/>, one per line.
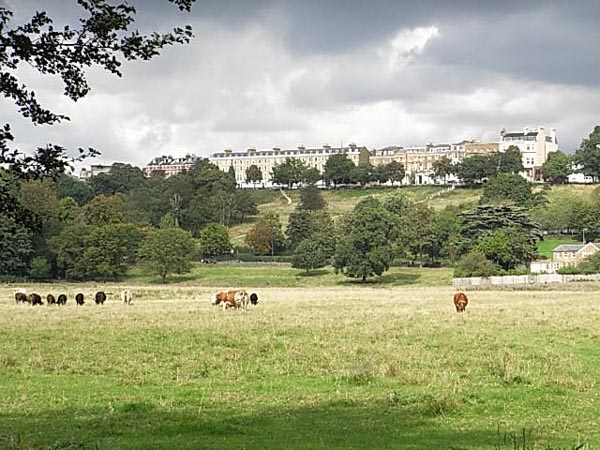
<point x="341" y="367"/>
<point x="546" y="246"/>
<point x="258" y="275"/>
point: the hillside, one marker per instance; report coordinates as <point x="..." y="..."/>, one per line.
<point x="340" y="201"/>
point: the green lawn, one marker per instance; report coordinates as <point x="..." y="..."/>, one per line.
<point x="283" y="275"/>
<point x="546" y="246"/>
<point x="350" y="367"/>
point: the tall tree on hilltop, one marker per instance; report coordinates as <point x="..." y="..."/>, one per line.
<point x="442" y="168"/>
<point x="290" y="172"/>
<point x="557" y="168"/>
<point x="253" y="175"/>
<point x="587" y="157"/>
<point x="507" y="188"/>
<point x="338" y="169"/>
<point x="509" y="161"/>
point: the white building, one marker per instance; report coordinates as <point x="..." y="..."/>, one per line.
<point x="86" y="174"/>
<point x="265" y="160"/>
<point x="535" y="145"/>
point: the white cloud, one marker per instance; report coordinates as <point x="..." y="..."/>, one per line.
<point x="407" y="43"/>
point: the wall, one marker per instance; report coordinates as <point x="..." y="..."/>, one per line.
<point x="522" y="279"/>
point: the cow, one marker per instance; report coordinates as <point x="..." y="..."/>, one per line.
<point x="34" y="299"/>
<point x="21" y="295"/>
<point x="254" y="299"/>
<point x="231" y="299"/>
<point x="460" y="301"/>
<point x="61" y="300"/>
<point x="50" y="299"/>
<point x="79" y="299"/>
<point x="126" y="296"/>
<point x="100" y="298"/>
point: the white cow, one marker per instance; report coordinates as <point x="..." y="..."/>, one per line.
<point x="126" y="296"/>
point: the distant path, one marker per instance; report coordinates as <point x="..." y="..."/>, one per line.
<point x="436" y="194"/>
<point x="289" y="200"/>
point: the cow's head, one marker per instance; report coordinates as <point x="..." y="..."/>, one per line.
<point x="214" y="300"/>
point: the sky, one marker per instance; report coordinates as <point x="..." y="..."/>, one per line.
<point x="266" y="73"/>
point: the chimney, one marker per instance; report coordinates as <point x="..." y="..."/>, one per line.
<point x="301" y="147"/>
<point x="276" y="149"/>
<point x="251" y="150"/>
<point x="326" y="146"/>
<point x="502" y="132"/>
<point x="227" y="150"/>
<point x="352" y="145"/>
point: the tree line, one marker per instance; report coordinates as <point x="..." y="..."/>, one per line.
<point x="68" y="228"/>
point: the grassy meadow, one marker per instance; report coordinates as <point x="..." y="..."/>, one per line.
<point x="327" y="367"/>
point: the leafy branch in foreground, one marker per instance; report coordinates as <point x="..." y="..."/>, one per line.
<point x="103" y="38"/>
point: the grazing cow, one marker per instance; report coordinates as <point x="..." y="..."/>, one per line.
<point x="231" y="299"/>
<point x="21" y="295"/>
<point x="100" y="298"/>
<point x="61" y="300"/>
<point x="34" y="299"/>
<point x="254" y="299"/>
<point x="460" y="301"/>
<point x="79" y="299"/>
<point x="126" y="296"/>
<point x="50" y="299"/>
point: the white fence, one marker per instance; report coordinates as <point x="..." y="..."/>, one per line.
<point x="522" y="279"/>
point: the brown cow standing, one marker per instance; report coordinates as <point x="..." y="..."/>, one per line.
<point x="460" y="301"/>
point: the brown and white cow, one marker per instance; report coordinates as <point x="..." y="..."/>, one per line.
<point x="460" y="301"/>
<point x="231" y="299"/>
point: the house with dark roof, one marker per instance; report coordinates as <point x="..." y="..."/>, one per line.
<point x="565" y="255"/>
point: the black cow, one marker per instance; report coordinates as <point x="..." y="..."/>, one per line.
<point x="79" y="299"/>
<point x="34" y="299"/>
<point x="100" y="298"/>
<point x="62" y="299"/>
<point x="254" y="299"/>
<point x="20" y="297"/>
<point x="50" y="299"/>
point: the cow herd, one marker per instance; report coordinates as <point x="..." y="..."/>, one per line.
<point x="33" y="299"/>
<point x="232" y="299"/>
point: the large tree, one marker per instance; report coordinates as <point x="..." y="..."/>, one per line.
<point x="166" y="251"/>
<point x="507" y="188"/>
<point x="442" y="168"/>
<point x="364" y="247"/>
<point x="266" y="236"/>
<point x="338" y="169"/>
<point x="214" y="240"/>
<point x="509" y="161"/>
<point x="120" y="179"/>
<point x="103" y="37"/>
<point x="484" y="223"/>
<point x="557" y="168"/>
<point x="476" y="168"/>
<point x="254" y="174"/>
<point x="289" y="172"/>
<point x="587" y="157"/>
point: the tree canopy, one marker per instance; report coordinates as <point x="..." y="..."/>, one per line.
<point x="587" y="157"/>
<point x="104" y="37"/>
